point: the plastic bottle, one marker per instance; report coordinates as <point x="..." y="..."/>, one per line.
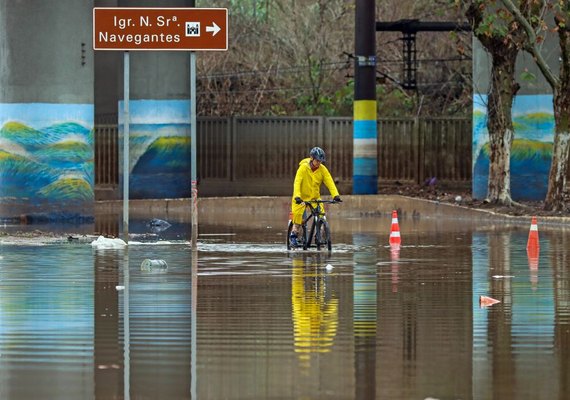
<point x="149" y="264"/>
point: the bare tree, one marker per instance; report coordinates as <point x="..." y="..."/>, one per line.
<point x="533" y="24"/>
<point x="292" y="57"/>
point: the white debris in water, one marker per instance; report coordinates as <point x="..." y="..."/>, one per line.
<point x="503" y="276"/>
<point x="329" y="267"/>
<point x="120" y="287"/>
<point x="108" y="243"/>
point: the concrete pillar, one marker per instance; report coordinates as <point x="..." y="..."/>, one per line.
<point x="159" y="156"/>
<point x="533" y="119"/>
<point x="46" y="110"/>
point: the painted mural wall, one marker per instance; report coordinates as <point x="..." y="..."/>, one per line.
<point x="159" y="150"/>
<point x="533" y="121"/>
<point x="46" y="156"/>
<point x="531" y="152"/>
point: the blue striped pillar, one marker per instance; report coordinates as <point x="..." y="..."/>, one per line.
<point x="365" y="171"/>
<point x="365" y="163"/>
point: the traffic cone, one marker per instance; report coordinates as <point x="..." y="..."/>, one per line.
<point x="395" y="239"/>
<point x="532" y="242"/>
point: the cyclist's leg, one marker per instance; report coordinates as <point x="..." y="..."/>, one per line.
<point x="297" y="211"/>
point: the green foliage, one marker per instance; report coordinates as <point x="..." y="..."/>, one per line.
<point x="527" y="76"/>
<point x="336" y="103"/>
<point x="393" y="102"/>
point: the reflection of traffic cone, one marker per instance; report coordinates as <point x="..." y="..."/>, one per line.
<point x="395" y="240"/>
<point x="395" y="255"/>
<point x="532" y="242"/>
<point x="532" y="253"/>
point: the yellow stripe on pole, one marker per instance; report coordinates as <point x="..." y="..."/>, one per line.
<point x="365" y="110"/>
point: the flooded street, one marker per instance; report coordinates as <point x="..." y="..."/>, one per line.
<point x="245" y="319"/>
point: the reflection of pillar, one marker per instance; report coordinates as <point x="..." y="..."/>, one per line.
<point x="560" y="260"/>
<point x="160" y="330"/>
<point x="159" y="118"/>
<point x="500" y="323"/>
<point x="108" y="352"/>
<point x="46" y="109"/>
<point x="194" y="328"/>
<point x="364" y="318"/>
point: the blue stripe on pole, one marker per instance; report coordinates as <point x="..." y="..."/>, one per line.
<point x="364" y="129"/>
<point x="366" y="166"/>
<point x="364" y="184"/>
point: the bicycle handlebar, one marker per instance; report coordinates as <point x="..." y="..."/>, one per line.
<point x="310" y="202"/>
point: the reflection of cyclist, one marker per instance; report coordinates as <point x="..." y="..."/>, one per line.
<point x="310" y="175"/>
<point x="315" y="314"/>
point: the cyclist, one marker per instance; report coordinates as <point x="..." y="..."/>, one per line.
<point x="310" y="175"/>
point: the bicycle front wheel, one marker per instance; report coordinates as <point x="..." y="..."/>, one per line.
<point x="289" y="229"/>
<point x="325" y="235"/>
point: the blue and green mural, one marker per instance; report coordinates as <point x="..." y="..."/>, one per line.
<point x="46" y="154"/>
<point x="531" y="153"/>
<point x="159" y="148"/>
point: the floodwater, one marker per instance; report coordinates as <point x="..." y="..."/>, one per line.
<point x="242" y="318"/>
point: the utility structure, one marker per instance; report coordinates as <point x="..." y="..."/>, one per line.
<point x="365" y="137"/>
<point x="409" y="29"/>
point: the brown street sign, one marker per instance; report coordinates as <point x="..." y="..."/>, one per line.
<point x="128" y="28"/>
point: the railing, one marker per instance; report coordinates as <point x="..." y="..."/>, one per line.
<point x="246" y="149"/>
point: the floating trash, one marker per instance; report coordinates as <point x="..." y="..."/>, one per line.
<point x="108" y="243"/>
<point x="486" y="301"/>
<point x="149" y="265"/>
<point x="158" y="225"/>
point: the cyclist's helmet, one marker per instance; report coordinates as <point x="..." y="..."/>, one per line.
<point x="318" y="154"/>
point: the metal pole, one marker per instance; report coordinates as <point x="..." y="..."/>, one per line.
<point x="193" y="162"/>
<point x="126" y="121"/>
<point x="365" y="137"/>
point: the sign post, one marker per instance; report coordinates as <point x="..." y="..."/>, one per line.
<point x="161" y="29"/>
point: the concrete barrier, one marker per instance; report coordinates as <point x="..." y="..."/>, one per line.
<point x="250" y="211"/>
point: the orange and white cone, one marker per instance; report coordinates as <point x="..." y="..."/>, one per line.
<point x="395" y="239"/>
<point x="532" y="243"/>
<point x="486" y="301"/>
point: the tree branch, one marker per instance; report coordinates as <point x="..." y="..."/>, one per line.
<point x="532" y="43"/>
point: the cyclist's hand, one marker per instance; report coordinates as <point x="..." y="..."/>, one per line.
<point x="298" y="200"/>
<point x="337" y="199"/>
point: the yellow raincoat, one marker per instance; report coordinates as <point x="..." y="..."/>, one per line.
<point x="307" y="186"/>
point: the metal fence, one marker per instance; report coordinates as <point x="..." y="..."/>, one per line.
<point x="243" y="150"/>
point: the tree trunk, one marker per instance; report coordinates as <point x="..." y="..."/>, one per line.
<point x="499" y="124"/>
<point x="561" y="148"/>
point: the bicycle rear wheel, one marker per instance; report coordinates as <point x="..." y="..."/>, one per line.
<point x="325" y="235"/>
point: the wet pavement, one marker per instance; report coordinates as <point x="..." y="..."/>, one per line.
<point x="242" y="318"/>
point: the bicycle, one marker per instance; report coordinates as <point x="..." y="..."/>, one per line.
<point x="320" y="229"/>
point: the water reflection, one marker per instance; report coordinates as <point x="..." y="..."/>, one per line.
<point x="364" y="316"/>
<point x="315" y="309"/>
<point x="254" y="321"/>
<point x="513" y="340"/>
<point x="108" y="352"/>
